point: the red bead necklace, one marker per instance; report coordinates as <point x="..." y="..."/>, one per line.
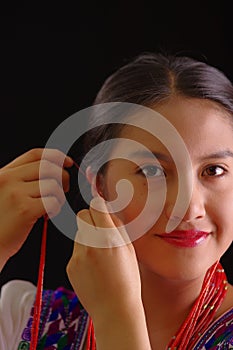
<point x="38" y="301"/>
<point x="91" y="344"/>
<point x="213" y="291"/>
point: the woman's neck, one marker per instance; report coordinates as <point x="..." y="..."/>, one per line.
<point x="167" y="304"/>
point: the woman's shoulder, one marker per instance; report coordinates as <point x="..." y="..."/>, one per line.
<point x="11" y="287"/>
<point x="64" y="321"/>
<point x="17" y="297"/>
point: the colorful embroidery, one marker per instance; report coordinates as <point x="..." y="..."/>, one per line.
<point x="24" y="345"/>
<point x="219" y="336"/>
<point x="64" y="320"/>
<point x="62" y="324"/>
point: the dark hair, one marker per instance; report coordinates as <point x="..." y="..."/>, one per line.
<point x="153" y="78"/>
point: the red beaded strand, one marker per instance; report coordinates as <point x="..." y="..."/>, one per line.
<point x="38" y="301"/>
<point x="89" y="334"/>
<point x="203" y="311"/>
<point x="91" y="343"/>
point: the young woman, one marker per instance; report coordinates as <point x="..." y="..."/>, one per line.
<point x="164" y="288"/>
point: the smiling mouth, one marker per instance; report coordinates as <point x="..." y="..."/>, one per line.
<point x="185" y="239"/>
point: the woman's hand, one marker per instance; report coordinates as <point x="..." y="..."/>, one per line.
<point x="23" y="197"/>
<point x="107" y="281"/>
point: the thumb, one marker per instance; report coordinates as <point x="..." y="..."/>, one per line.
<point x="96" y="227"/>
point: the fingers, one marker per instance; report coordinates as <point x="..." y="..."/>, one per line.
<point x="30" y="167"/>
<point x="45" y="188"/>
<point x="36" y="154"/>
<point x="101" y="217"/>
<point x="32" y="186"/>
<point x="96" y="227"/>
<point x="39" y="207"/>
<point x="49" y="205"/>
<point x="99" y="213"/>
<point x="43" y="170"/>
<point x="34" y="199"/>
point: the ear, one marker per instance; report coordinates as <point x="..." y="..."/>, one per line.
<point x="96" y="182"/>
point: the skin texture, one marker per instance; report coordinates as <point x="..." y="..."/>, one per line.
<point x="211" y="203"/>
<point x="139" y="293"/>
<point x="23" y="199"/>
<point x="170" y="277"/>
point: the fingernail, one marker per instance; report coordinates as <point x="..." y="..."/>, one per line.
<point x="98" y="203"/>
<point x="69" y="160"/>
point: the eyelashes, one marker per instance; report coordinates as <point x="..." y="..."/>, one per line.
<point x="214" y="171"/>
<point x="151" y="171"/>
<point x="155" y="171"/>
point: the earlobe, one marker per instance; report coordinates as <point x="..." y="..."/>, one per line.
<point x="95" y="182"/>
<point x="91" y="178"/>
<point x="90" y="175"/>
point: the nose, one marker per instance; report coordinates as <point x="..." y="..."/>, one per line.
<point x="195" y="209"/>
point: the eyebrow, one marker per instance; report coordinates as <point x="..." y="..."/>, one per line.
<point x="150" y="154"/>
<point x="161" y="156"/>
<point x="217" y="155"/>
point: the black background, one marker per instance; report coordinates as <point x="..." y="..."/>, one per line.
<point x="55" y="57"/>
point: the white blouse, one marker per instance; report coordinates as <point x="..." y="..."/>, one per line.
<point x="17" y="298"/>
<point x="16" y="301"/>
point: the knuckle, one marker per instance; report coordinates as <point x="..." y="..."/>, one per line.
<point x="72" y="264"/>
<point x="68" y="269"/>
<point x="53" y="185"/>
<point x="45" y="164"/>
<point x="47" y="168"/>
<point x="4" y="178"/>
<point x="16" y="198"/>
<point x="54" y="207"/>
<point x="57" y="191"/>
<point x="24" y="209"/>
<point x="35" y="153"/>
<point x="83" y="213"/>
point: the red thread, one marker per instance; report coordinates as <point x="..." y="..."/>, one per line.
<point x="93" y="338"/>
<point x="38" y="301"/>
<point x="91" y="344"/>
<point x="79" y="168"/>
<point x="40" y="280"/>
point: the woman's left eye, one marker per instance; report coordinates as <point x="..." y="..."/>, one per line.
<point x="214" y="170"/>
<point x="152" y="171"/>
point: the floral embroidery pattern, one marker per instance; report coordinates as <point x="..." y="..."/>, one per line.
<point x="64" y="320"/>
<point x="62" y="324"/>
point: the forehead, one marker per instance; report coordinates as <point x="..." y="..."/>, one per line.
<point x="203" y="126"/>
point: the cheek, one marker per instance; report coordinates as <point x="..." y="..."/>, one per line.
<point x="127" y="195"/>
<point x="221" y="212"/>
<point x="139" y="217"/>
<point x="140" y="201"/>
<point x="134" y="207"/>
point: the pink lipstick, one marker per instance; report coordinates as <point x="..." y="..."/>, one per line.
<point x="185" y="239"/>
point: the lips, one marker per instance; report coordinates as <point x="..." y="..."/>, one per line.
<point x="186" y="239"/>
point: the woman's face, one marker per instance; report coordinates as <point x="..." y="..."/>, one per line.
<point x="205" y="229"/>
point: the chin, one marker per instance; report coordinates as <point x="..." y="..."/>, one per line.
<point x="175" y="270"/>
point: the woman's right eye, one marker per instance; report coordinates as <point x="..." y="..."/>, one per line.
<point x="152" y="171"/>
